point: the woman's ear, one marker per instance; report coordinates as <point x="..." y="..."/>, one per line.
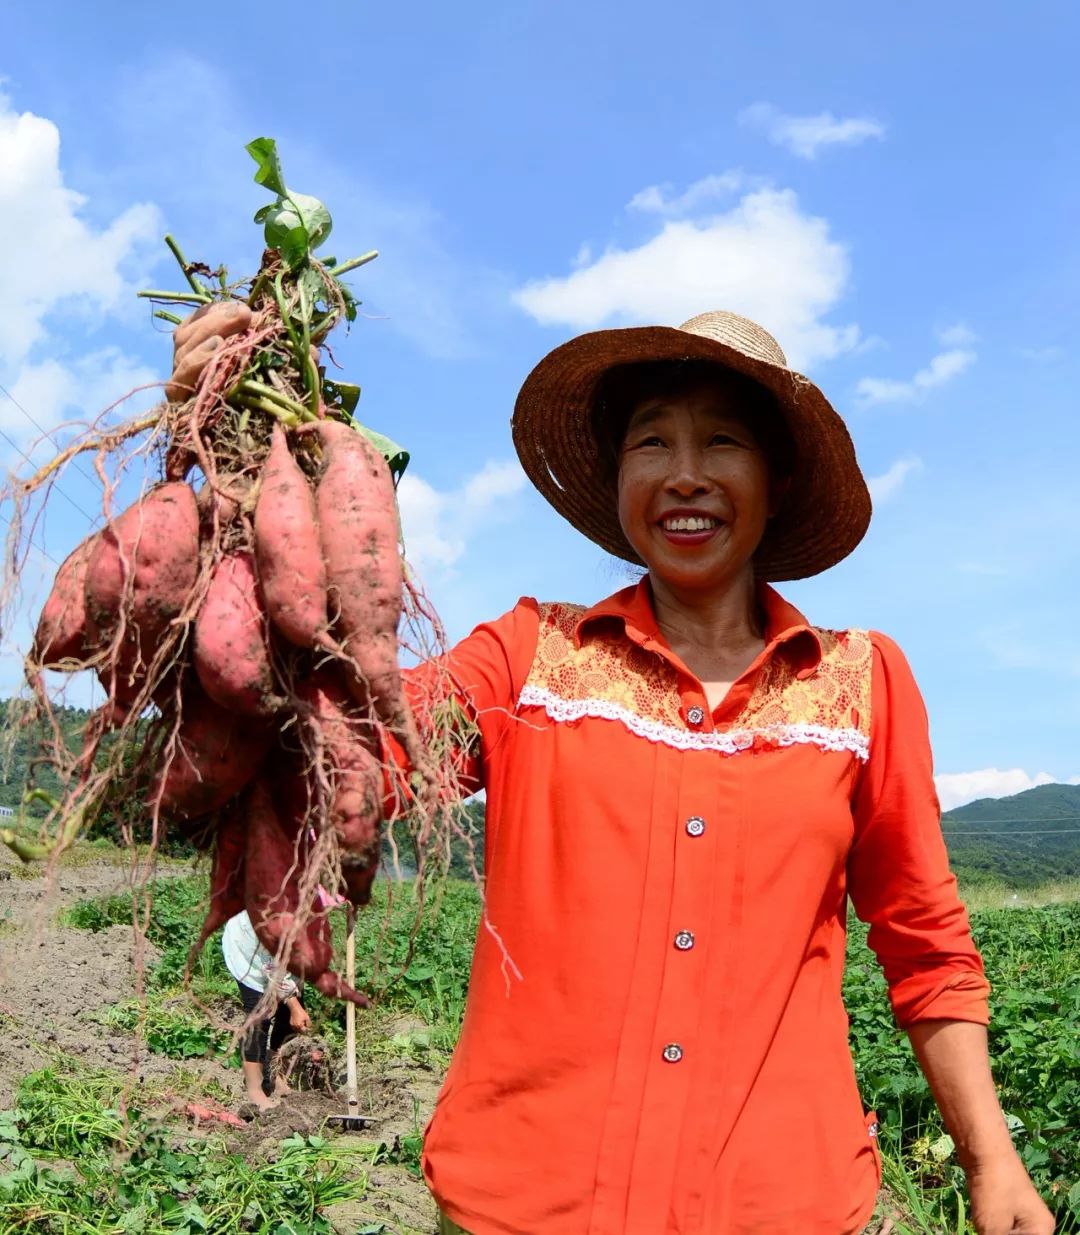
<point x="778" y="490"/>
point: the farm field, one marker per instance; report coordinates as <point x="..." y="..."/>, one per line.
<point x="98" y="1138"/>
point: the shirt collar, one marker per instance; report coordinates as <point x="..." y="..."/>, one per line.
<point x="785" y="626"/>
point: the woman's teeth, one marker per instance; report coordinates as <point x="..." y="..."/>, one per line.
<point x="683" y="524"/>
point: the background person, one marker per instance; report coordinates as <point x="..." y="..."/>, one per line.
<point x="252" y="966"/>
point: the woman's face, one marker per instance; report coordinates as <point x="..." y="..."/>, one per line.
<point x="694" y="489"/>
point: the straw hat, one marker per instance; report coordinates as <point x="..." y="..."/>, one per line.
<point x="826" y="510"/>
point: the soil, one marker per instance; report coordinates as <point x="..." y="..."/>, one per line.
<point x="57" y="981"/>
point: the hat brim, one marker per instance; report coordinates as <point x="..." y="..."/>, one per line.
<point x="825" y="511"/>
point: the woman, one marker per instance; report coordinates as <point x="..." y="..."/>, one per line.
<point x="685" y="782"/>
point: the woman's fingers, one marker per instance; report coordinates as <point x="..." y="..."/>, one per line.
<point x="197" y="338"/>
<point x="186" y="375"/>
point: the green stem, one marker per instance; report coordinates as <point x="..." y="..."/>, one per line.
<point x="345" y="267"/>
<point x="311" y="373"/>
<point x="196" y="286"/>
<point x="269" y="409"/>
<point x="257" y="287"/>
<point x="168" y="317"/>
<point x="178" y="297"/>
<point x="260" y="391"/>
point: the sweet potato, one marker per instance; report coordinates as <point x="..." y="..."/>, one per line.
<point x="139" y="577"/>
<point x="231" y="654"/>
<point x="358" y="529"/>
<point x="292" y="573"/>
<point x="354" y="774"/>
<point x="226" y="877"/>
<point x="215" y="756"/>
<point x="272" y="895"/>
<point x="61" y="629"/>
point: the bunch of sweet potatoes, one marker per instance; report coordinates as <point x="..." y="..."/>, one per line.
<point x="259" y="635"/>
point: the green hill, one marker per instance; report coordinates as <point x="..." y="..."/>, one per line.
<point x="1023" y="840"/>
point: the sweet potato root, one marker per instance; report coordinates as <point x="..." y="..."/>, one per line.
<point x="139" y="578"/>
<point x="355" y="776"/>
<point x="231" y="655"/>
<point x="358" y="528"/>
<point x="61" y="630"/>
<point x="292" y="572"/>
<point x="273" y="865"/>
<point x="215" y="757"/>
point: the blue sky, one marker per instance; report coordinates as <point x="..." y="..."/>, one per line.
<point x="892" y="191"/>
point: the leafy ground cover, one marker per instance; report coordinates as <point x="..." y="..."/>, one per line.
<point x="1032" y="955"/>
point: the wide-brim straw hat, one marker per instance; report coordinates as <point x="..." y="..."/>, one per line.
<point x="826" y="509"/>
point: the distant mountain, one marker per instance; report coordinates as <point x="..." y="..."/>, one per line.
<point x="1023" y="840"/>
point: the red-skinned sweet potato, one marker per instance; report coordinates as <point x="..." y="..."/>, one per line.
<point x="354" y="774"/>
<point x="61" y="630"/>
<point x="226" y="876"/>
<point x="139" y="577"/>
<point x="292" y="572"/>
<point x="216" y="755"/>
<point x="358" y="528"/>
<point x="231" y="655"/>
<point x="273" y="863"/>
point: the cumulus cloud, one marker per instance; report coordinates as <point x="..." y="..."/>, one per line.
<point x="765" y="258"/>
<point x="53" y="258"/>
<point x="60" y="278"/>
<point x="805" y="136"/>
<point x="957" y="788"/>
<point x="887" y="485"/>
<point x="958" y="357"/>
<point x="662" y="198"/>
<point x="438" y="524"/>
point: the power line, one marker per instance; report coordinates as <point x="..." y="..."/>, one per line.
<point x="22" y="452"/>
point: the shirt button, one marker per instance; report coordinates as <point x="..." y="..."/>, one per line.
<point x="696" y="715"/>
<point x="684" y="940"/>
<point x="695" y="825"/>
<point x="673" y="1052"/>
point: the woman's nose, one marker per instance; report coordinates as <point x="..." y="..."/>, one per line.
<point x="687" y="473"/>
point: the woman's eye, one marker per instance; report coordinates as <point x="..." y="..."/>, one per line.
<point x="724" y="439"/>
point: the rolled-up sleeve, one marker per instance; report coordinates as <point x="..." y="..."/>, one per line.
<point x="463" y="701"/>
<point x="898" y="870"/>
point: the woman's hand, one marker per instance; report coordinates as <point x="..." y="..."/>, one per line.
<point x="1004" y="1200"/>
<point x="298" y="1017"/>
<point x="197" y="338"/>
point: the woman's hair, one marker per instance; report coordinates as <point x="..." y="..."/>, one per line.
<point x="624" y="387"/>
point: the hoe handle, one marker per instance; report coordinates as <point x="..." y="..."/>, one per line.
<point x="350" y="1013"/>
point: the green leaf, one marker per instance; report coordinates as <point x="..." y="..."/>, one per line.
<point x="395" y="456"/>
<point x="285" y="232"/>
<point x="264" y="151"/>
<point x="419" y="973"/>
<point x="263" y="212"/>
<point x="342" y="394"/>
<point x="314" y="215"/>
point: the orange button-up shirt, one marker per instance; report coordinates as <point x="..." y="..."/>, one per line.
<point x="654" y="1040"/>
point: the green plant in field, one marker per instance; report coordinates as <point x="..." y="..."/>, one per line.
<point x="169" y="1029"/>
<point x="134" y="1175"/>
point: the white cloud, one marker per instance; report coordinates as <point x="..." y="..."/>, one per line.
<point x="942" y="368"/>
<point x="661" y="199"/>
<point x="52" y="258"/>
<point x="1041" y="355"/>
<point x="958" y="335"/>
<point x="886" y="486"/>
<point x="764" y="258"/>
<point x="805" y="136"/>
<point x="957" y="788"/>
<point x="437" y="525"/>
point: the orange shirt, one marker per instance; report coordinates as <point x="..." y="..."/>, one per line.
<point x="654" y="1041"/>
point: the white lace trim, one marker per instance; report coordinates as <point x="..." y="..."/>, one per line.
<point x="729" y="743"/>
